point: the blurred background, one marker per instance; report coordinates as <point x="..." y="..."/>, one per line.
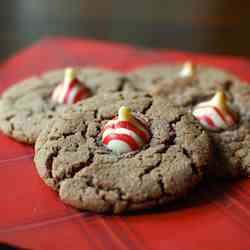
<point x="214" y="26"/>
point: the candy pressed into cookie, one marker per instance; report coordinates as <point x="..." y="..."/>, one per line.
<point x="218" y="99"/>
<point x="25" y="108"/>
<point x="122" y="151"/>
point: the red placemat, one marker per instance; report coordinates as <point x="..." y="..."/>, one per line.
<point x="216" y="216"/>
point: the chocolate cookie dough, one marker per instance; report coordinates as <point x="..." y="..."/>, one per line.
<point x="71" y="158"/>
<point x="231" y="146"/>
<point x="25" y="108"/>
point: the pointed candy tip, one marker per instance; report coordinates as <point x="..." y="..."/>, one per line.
<point x="70" y="73"/>
<point x="124" y="113"/>
<point x="188" y="69"/>
<point x="220" y="98"/>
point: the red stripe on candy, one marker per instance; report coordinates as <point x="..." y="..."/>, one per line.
<point x="136" y="130"/>
<point x="122" y="137"/>
<point x="71" y="86"/>
<point x="82" y="94"/>
<point x="128" y="125"/>
<point x="108" y="126"/>
<point x="220" y="114"/>
<point x="79" y="95"/>
<point x="208" y="120"/>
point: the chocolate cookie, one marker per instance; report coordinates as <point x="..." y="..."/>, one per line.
<point x="71" y="157"/>
<point x="232" y="157"/>
<point x="25" y="108"/>
<point x="165" y="80"/>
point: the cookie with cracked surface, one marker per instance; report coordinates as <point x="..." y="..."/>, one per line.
<point x="70" y="156"/>
<point x="25" y="108"/>
<point x="167" y="80"/>
<point x="231" y="156"/>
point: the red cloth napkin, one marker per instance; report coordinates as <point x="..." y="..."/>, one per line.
<point x="216" y="216"/>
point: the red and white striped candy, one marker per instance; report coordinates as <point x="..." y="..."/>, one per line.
<point x="71" y="90"/>
<point x="125" y="133"/>
<point x="215" y="114"/>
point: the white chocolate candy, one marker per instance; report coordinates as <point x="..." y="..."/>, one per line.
<point x="189" y="70"/>
<point x="216" y="113"/>
<point x="70" y="90"/>
<point x="125" y="133"/>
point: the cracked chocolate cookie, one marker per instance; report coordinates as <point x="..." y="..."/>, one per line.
<point x="25" y="108"/>
<point x="190" y="85"/>
<point x="74" y="155"/>
<point x="184" y="90"/>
